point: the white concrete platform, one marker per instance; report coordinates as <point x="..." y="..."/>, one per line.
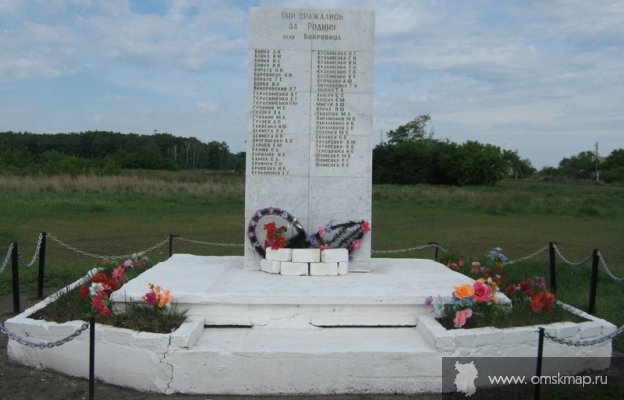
<point x="284" y="349"/>
<point x="222" y="292"/>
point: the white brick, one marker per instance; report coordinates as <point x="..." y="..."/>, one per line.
<point x="465" y="338"/>
<point x="334" y="255"/>
<point x="294" y="268"/>
<point x="590" y="329"/>
<point x="272" y="267"/>
<point x="324" y="269"/>
<point x="306" y="255"/>
<point x="343" y="268"/>
<point x="279" y="254"/>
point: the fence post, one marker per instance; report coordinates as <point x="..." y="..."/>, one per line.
<point x="538" y="369"/>
<point x="553" y="271"/>
<point x="594" y="281"/>
<point x="437" y="250"/>
<point x="42" y="251"/>
<point x="171" y="237"/>
<point x="15" y="280"/>
<point x="91" y="358"/>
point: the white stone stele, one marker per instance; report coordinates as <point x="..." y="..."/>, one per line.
<point x="310" y="91"/>
<point x="286" y="354"/>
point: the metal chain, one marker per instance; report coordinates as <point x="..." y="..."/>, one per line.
<point x="580" y="343"/>
<point x="543" y="249"/>
<point x="36" y="253"/>
<point x="6" y="259"/>
<point x="210" y="243"/>
<point x="568" y="261"/>
<point x="606" y="268"/>
<point x="101" y="257"/>
<point x="44" y="345"/>
<point x="409" y="249"/>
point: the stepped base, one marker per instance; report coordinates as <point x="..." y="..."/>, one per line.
<point x="264" y="361"/>
<point x="222" y="292"/>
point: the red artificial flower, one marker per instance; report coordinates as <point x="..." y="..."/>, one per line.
<point x="85" y="291"/>
<point x="278" y="243"/>
<point x="525" y="285"/>
<point x="100" y="277"/>
<point x="500" y="268"/>
<point x="511" y="289"/>
<point x="529" y="293"/>
<point x="104" y="311"/>
<point x="488" y="271"/>
<point x="544" y="301"/>
<point x="366" y="227"/>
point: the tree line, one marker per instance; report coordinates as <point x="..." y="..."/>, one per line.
<point x="109" y="152"/>
<point x="412" y="155"/>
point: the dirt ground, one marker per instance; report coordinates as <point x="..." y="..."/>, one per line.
<point x="19" y="382"/>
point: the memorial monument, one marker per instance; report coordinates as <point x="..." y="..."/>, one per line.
<point x="310" y="119"/>
<point x="255" y="333"/>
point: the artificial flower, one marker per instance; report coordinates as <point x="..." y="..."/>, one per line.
<point x="357" y="244"/>
<point x="366" y="228"/>
<point x="461" y="317"/>
<point x="482" y="292"/>
<point x="463" y="291"/>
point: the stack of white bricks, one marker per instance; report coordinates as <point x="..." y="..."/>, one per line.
<point x="297" y="262"/>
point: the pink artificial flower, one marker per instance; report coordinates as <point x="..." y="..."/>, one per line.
<point x="460" y="263"/>
<point x="324" y="247"/>
<point x="119" y="273"/>
<point x="476" y="264"/>
<point x="321" y="231"/>
<point x="461" y="317"/>
<point x="150" y="298"/>
<point x="366" y="227"/>
<point x="107" y="261"/>
<point x="357" y="244"/>
<point x="128" y="264"/>
<point x="482" y="292"/>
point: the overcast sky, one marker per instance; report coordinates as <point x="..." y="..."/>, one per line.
<point x="545" y="78"/>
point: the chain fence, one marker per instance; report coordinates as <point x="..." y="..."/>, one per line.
<point x="71" y="248"/>
<point x="409" y="249"/>
<point x="210" y="243"/>
<point x="572" y="263"/>
<point x="101" y="257"/>
<point x="534" y="254"/>
<point x="35" y="253"/>
<point x="7" y="258"/>
<point x="584" y="342"/>
<point x="42" y="344"/>
<point x="603" y="262"/>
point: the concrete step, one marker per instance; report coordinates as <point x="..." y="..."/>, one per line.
<point x="315" y="361"/>
<point x="221" y="291"/>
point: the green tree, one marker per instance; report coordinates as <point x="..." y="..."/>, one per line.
<point x="613" y="167"/>
<point x="580" y="166"/>
<point x="414" y="130"/>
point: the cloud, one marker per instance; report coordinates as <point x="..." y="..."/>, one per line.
<point x="208" y="106"/>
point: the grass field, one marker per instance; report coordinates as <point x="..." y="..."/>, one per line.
<point x="127" y="213"/>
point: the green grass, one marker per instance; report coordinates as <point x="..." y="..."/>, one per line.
<point x="128" y="213"/>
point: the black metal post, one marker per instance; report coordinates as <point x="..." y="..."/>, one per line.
<point x="553" y="271"/>
<point x="42" y="250"/>
<point x="92" y="358"/>
<point x="171" y="237"/>
<point x="437" y="250"/>
<point x="15" y="272"/>
<point x="594" y="282"/>
<point x="538" y="369"/>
